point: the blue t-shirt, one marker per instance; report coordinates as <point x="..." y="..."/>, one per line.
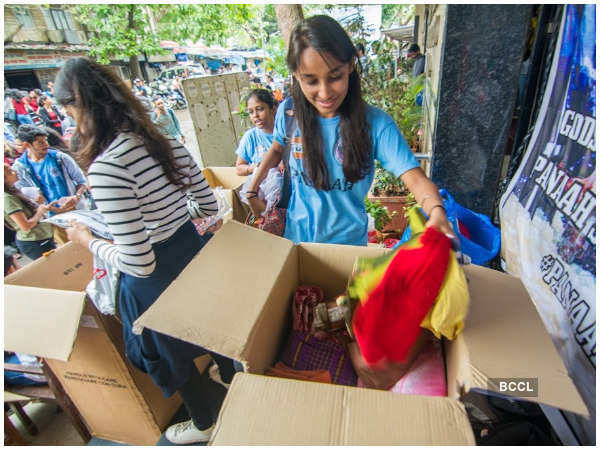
<point x="253" y="145"/>
<point x="338" y="216"/>
<point x="51" y="179"/>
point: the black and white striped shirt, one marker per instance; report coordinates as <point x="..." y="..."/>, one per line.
<point x="139" y="204"/>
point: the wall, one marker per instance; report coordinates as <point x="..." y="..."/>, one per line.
<point x="211" y="101"/>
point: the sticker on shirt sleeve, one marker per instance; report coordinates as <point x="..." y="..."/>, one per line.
<point x="296" y="147"/>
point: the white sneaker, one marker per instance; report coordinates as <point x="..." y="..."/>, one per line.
<point x="215" y="375"/>
<point x="187" y="433"/>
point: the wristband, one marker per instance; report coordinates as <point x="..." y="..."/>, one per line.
<point x="437" y="206"/>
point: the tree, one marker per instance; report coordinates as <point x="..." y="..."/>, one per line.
<point x="118" y="31"/>
<point x="396" y="15"/>
<point x="287" y="17"/>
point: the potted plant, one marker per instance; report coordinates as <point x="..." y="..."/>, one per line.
<point x="381" y="216"/>
<point x="389" y="191"/>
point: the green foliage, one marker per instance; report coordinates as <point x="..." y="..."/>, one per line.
<point x="117" y="31"/>
<point x="378" y="212"/>
<point x="396" y="15"/>
<point x="213" y="23"/>
<point x="277" y="55"/>
<point x="395" y="95"/>
<point x="386" y="184"/>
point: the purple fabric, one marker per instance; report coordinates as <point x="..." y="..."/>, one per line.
<point x="304" y="351"/>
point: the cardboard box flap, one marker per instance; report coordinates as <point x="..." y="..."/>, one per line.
<point x="505" y="338"/>
<point x="218" y="298"/>
<point x="225" y="177"/>
<point x="69" y="268"/>
<point x="41" y="322"/>
<point x="277" y="411"/>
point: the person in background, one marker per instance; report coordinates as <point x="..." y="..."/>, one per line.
<point x="166" y="121"/>
<point x="51" y="116"/>
<point x="414" y="53"/>
<point x="33" y="238"/>
<point x="34" y="99"/>
<point x="261" y="107"/>
<point x="334" y="144"/>
<point x="53" y="172"/>
<point x="18" y="104"/>
<point x="141" y="182"/>
<point x="49" y="92"/>
<point x="363" y="58"/>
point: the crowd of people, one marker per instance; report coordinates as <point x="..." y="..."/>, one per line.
<point x="132" y="161"/>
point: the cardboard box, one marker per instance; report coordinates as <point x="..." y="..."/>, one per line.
<point x="46" y="314"/>
<point x="243" y="308"/>
<point x="231" y="183"/>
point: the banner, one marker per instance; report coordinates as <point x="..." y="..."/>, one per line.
<point x="548" y="213"/>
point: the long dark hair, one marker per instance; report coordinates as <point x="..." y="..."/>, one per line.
<point x="328" y="38"/>
<point x="108" y="107"/>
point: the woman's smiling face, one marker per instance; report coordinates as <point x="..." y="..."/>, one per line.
<point x="323" y="81"/>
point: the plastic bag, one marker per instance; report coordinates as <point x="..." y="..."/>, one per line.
<point x="483" y="242"/>
<point x="91" y="218"/>
<point x="103" y="289"/>
<point x="204" y="223"/>
<point x="269" y="190"/>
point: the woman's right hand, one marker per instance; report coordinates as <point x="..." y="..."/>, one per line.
<point x="257" y="206"/>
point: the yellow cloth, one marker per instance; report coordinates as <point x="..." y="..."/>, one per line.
<point x="446" y="316"/>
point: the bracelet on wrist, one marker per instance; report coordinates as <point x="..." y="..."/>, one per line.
<point x="437" y="206"/>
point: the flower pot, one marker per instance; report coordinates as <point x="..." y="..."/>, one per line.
<point x="399" y="222"/>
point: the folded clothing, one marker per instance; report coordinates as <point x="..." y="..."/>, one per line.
<point x="282" y="371"/>
<point x="305" y="351"/>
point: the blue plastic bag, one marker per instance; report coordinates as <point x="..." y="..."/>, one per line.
<point x="484" y="242"/>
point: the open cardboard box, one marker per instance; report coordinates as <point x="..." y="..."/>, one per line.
<point x="46" y="314"/>
<point x="234" y="299"/>
<point x="231" y="183"/>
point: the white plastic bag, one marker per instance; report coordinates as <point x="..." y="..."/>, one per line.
<point x="91" y="218"/>
<point x="269" y="190"/>
<point x="102" y="290"/>
<point x="205" y="223"/>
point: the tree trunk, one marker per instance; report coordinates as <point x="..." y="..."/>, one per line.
<point x="287" y="17"/>
<point x="134" y="65"/>
<point x="134" y="68"/>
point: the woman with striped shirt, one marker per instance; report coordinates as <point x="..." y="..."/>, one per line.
<point x="141" y="182"/>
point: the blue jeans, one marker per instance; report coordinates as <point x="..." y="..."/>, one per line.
<point x="35" y="249"/>
<point x="24" y="118"/>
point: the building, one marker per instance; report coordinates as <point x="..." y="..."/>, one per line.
<point x="37" y="41"/>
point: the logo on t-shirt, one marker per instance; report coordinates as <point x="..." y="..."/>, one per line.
<point x="337" y="151"/>
<point x="296" y="147"/>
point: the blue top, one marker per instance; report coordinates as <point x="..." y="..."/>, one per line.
<point x="52" y="181"/>
<point x="338" y="216"/>
<point x="253" y="145"/>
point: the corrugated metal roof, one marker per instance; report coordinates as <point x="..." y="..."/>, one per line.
<point x="48" y="47"/>
<point x="404" y="33"/>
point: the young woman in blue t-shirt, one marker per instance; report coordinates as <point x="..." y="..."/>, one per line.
<point x="261" y="107"/>
<point x="333" y="143"/>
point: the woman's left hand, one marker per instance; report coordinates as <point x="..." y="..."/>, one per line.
<point x="439" y="220"/>
<point x="79" y="233"/>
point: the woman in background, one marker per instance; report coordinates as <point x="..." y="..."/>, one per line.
<point x="261" y="108"/>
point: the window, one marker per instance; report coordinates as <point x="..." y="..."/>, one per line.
<point x="60" y="20"/>
<point x="24" y="17"/>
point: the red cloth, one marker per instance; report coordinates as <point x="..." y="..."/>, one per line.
<point x="305" y="300"/>
<point x="462" y="229"/>
<point x="388" y="323"/>
<point x="19" y="107"/>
